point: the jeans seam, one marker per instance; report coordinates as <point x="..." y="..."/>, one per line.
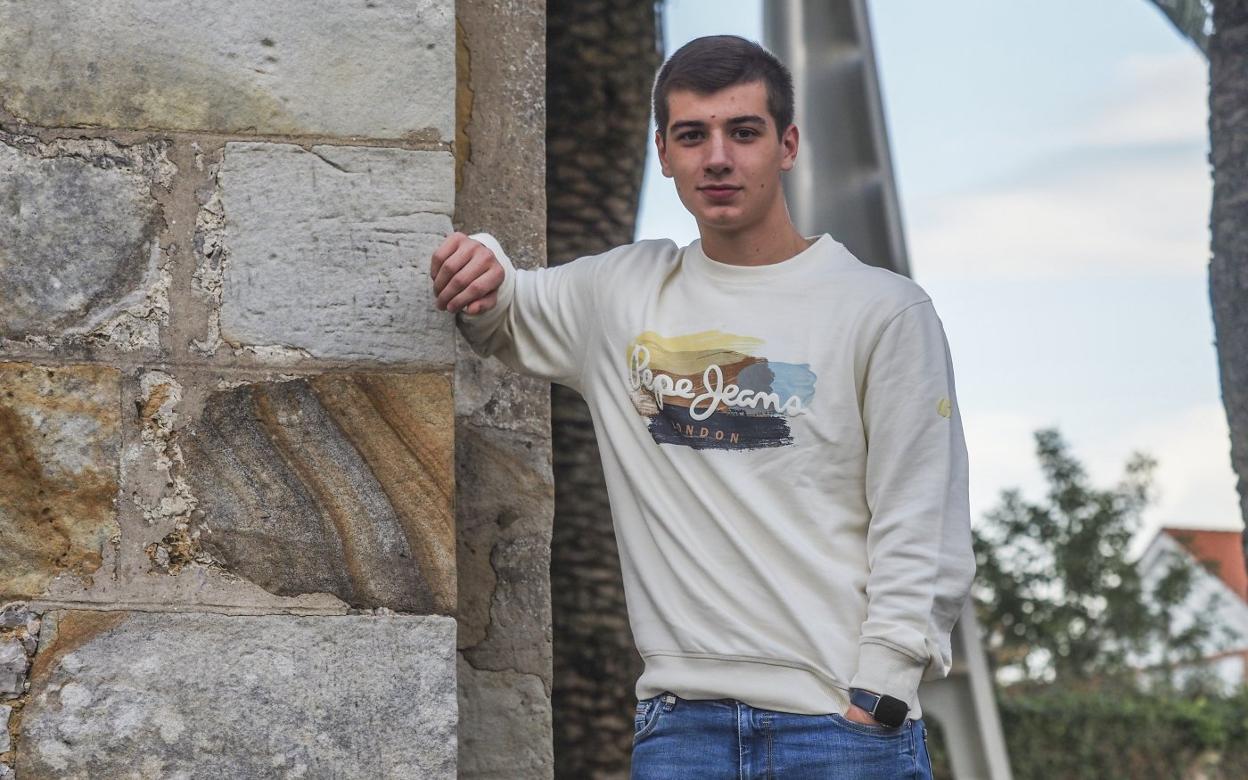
<point x="927" y="755"/>
<point x="740" y="747"/>
<point x="914" y="754"/>
<point x="770" y="769"/>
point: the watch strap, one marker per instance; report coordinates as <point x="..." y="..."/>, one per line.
<point x="888" y="710"/>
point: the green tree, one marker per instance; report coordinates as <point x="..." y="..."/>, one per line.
<point x="1187" y="640"/>
<point x="1057" y="596"/>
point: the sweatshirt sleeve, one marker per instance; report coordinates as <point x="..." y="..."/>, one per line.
<point x="543" y="320"/>
<point x="919" y="535"/>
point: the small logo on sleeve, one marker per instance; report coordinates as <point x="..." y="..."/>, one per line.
<point x="944" y="407"/>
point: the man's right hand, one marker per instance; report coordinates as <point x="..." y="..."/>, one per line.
<point x="466" y="275"/>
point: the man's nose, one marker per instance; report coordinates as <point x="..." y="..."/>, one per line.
<point x="718" y="159"/>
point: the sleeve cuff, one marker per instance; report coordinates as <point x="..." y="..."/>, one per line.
<point x="881" y="669"/>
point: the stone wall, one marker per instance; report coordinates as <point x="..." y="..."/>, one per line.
<point x="255" y="492"/>
<point x="505" y="489"/>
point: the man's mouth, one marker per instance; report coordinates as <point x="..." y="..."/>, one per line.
<point x="718" y="191"/>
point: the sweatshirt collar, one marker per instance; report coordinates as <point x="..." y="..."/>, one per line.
<point x="815" y="255"/>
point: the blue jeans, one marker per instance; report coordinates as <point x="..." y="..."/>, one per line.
<point x="726" y="739"/>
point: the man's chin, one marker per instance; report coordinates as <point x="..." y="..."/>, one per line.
<point x="725" y="219"/>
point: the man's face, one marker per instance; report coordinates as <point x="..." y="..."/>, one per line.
<point x="724" y="155"/>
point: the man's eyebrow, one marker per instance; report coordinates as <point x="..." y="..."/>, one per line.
<point x="697" y="124"/>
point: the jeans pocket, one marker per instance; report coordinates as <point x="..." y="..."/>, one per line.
<point x="647" y="716"/>
<point x="877" y="730"/>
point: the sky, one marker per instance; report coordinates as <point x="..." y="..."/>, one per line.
<point x="1052" y="164"/>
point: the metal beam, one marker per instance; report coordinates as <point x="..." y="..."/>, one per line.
<point x="843" y="183"/>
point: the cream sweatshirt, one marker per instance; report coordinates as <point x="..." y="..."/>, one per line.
<point x="784" y="457"/>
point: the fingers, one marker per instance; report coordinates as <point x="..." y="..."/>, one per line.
<point x="485" y="275"/>
<point x="445" y="250"/>
<point x="482" y="304"/>
<point x="463" y="253"/>
<point x="449" y="259"/>
<point x="457" y="273"/>
<point x="465" y="271"/>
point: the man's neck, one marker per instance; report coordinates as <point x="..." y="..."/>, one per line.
<point x="762" y="244"/>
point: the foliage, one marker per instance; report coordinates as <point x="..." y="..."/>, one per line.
<point x="1057" y="597"/>
<point x="1105" y="734"/>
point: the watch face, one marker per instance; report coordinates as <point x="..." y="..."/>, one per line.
<point x="891" y="711"/>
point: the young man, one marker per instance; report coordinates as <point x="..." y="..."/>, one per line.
<point x="781" y="442"/>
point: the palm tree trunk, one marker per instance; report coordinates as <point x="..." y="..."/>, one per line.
<point x="1228" y="268"/>
<point x="601" y="60"/>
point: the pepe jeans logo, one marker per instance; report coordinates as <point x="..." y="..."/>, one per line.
<point x="705" y="390"/>
<point x="661" y="385"/>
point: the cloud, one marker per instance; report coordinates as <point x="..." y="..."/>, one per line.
<point x="1194" y="479"/>
<point x="1001" y="454"/>
<point x="1194" y="482"/>
<point x="1128" y="191"/>
<point x="1102" y="217"/>
<point x="1155" y="99"/>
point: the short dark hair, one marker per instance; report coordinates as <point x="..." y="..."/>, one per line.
<point x="713" y="62"/>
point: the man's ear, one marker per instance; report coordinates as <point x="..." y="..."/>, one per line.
<point x="789" y="142"/>
<point x="661" y="148"/>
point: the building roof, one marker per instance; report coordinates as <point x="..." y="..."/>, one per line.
<point x="1221" y="552"/>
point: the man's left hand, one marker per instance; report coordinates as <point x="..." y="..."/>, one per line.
<point x="859" y="715"/>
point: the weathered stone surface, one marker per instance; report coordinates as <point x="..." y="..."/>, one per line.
<point x="154" y="484"/>
<point x="302" y="67"/>
<point x="19" y="637"/>
<point x="505" y="500"/>
<point x="503" y="540"/>
<point x="12" y="667"/>
<point x="328" y="251"/>
<point x="18" y="615"/>
<point x="520" y="630"/>
<point x="156" y="560"/>
<point x="341" y="483"/>
<point x="503" y="103"/>
<point x="78" y="247"/>
<point x="143" y="694"/>
<point x="510" y="713"/>
<point x="5" y="742"/>
<point x="491" y="395"/>
<point x="59" y="447"/>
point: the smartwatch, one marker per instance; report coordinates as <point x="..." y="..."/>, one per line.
<point x="888" y="710"/>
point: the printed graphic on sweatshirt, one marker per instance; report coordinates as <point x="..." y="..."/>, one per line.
<point x="713" y="390"/>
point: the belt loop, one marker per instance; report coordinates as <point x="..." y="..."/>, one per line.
<point x="669" y="701"/>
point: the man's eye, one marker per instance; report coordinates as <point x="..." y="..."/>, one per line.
<point x="746" y="132"/>
<point x="687" y="135"/>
